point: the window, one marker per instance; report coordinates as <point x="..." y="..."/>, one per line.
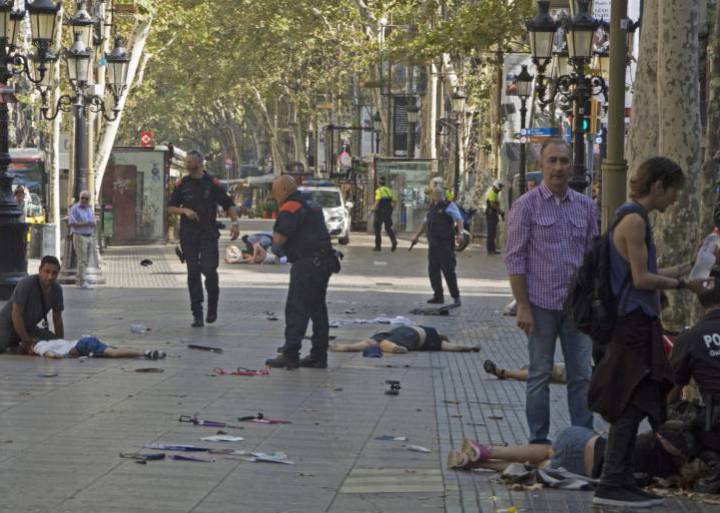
<point x="326" y="199"/>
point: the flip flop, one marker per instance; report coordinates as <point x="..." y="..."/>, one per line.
<point x="456" y="460"/>
<point x="474" y="451"/>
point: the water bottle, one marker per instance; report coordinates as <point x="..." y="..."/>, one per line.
<point x="706" y="257"/>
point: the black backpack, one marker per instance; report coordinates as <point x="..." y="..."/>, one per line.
<point x="590" y="304"/>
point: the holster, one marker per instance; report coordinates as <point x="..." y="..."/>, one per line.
<point x="712" y="411"/>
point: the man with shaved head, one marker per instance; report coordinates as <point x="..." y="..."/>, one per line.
<point x="301" y="233"/>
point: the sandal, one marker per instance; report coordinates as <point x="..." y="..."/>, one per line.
<point x="475" y="452"/>
<point x="457" y="460"/>
<point x="491" y="368"/>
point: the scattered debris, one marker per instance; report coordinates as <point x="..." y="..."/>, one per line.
<point x="222" y="438"/>
<point x="380" y="263"/>
<point x="205" y="348"/>
<point x="380" y="319"/>
<point x="350" y="311"/>
<point x="48" y="374"/>
<point x="392" y="438"/>
<point x="303" y="474"/>
<point x="207" y="423"/>
<point x="261" y="419"/>
<point x="180" y="457"/>
<point x="175" y="447"/>
<point x="150" y="369"/>
<point x="6" y="441"/>
<point x="241" y="371"/>
<point x="272" y="318"/>
<point x="456" y="416"/>
<point x="442" y="310"/>
<point x="495" y="417"/>
<point x="394" y="387"/>
<point x="417" y="448"/>
<point x="143" y="458"/>
<point x="139" y="328"/>
<point x="451" y="401"/>
<point x="271" y="457"/>
<point x="145" y="262"/>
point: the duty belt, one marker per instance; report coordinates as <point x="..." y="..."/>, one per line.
<point x="712" y="411"/>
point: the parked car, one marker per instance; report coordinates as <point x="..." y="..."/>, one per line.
<point x="335" y="209"/>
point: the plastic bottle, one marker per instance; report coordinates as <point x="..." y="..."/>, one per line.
<point x="138" y="328"/>
<point x="706" y="257"/>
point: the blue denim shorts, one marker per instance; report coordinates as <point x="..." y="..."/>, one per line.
<point x="87" y="346"/>
<point x="569" y="449"/>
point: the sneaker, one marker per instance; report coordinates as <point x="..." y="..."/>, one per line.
<point x="620" y="497"/>
<point x="659" y="499"/>
<point x="313" y="362"/>
<point x="436" y="301"/>
<point x="283" y="361"/>
<point x="155" y="354"/>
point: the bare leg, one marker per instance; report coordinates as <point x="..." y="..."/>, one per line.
<point x="517" y="375"/>
<point x="352" y="348"/>
<point x="125" y="352"/>
<point x="388" y="346"/>
<point x="457" y="348"/>
<point x="533" y="453"/>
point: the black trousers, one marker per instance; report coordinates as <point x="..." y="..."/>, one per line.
<point x="306" y="300"/>
<point x="492" y="219"/>
<point x="441" y="259"/>
<point x="202" y="258"/>
<point x="617" y="471"/>
<point x="378" y="221"/>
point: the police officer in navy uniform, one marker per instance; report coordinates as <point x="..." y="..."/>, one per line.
<point x="444" y="226"/>
<point x="696" y="355"/>
<point x="300" y="231"/>
<point x="196" y="198"/>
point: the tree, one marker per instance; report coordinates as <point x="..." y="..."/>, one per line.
<point x="666" y="121"/>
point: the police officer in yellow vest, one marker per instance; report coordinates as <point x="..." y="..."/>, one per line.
<point x="493" y="212"/>
<point x="384" y="205"/>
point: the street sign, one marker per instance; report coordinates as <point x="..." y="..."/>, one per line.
<point x="540" y="132"/>
<point x="147" y="139"/>
<point x="523" y="140"/>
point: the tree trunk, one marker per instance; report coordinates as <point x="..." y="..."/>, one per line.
<point x="275" y="153"/>
<point x="709" y="179"/>
<point x="108" y="139"/>
<point x="666" y="121"/>
<point x="496" y="115"/>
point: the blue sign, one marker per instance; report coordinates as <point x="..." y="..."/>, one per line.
<point x="541" y="132"/>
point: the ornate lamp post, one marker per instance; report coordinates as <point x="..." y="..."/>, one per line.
<point x="413" y="111"/>
<point x="43" y="18"/>
<point x="524" y="82"/>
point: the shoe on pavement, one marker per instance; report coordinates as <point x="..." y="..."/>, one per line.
<point x="621" y="497"/>
<point x="436" y="301"/>
<point x="394" y="246"/>
<point x="376" y="249"/>
<point x="197" y="321"/>
<point x="211" y="315"/>
<point x="457" y="302"/>
<point x="659" y="499"/>
<point x="313" y="362"/>
<point x="283" y="361"/>
<point x="154" y="354"/>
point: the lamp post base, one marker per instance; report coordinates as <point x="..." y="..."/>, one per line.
<point x="13" y="260"/>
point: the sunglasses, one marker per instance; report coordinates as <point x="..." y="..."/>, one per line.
<point x="85" y="198"/>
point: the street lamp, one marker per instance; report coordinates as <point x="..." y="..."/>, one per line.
<point x="524" y="82"/>
<point x="413" y="111"/>
<point x="83" y="24"/>
<point x="43" y="13"/>
<point x="377" y="128"/>
<point x="542" y="30"/>
<point x="458" y="105"/>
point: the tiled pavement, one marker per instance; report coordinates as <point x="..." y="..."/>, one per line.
<point x="60" y="436"/>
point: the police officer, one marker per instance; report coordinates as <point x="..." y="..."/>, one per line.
<point x="196" y="198"/>
<point x="696" y="355"/>
<point x="493" y="212"/>
<point x="301" y="233"/>
<point x="384" y="205"/>
<point x="444" y="226"/>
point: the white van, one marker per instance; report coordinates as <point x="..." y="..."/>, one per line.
<point x="335" y="209"/>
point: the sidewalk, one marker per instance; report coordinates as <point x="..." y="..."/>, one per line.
<point x="60" y="436"/>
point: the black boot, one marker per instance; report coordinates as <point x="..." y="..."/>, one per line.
<point x="212" y="313"/>
<point x="283" y="361"/>
<point x="198" y="321"/>
<point x="436" y="301"/>
<point x="314" y="362"/>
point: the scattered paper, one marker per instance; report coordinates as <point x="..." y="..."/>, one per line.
<point x="222" y="438"/>
<point x="392" y="438"/>
<point x="417" y="448"/>
<point x="175" y="447"/>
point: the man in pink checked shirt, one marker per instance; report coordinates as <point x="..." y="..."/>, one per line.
<point x="549" y="230"/>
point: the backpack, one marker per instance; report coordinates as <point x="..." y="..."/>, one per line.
<point x="590" y="304"/>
